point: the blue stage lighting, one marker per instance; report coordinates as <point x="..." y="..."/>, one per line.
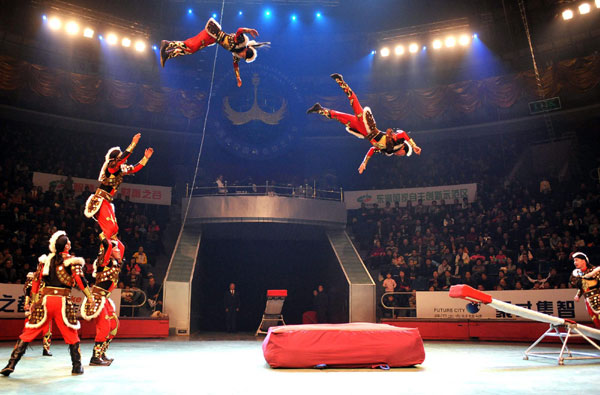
<point x="475" y="35"/>
<point x="293" y="17"/>
<point x="190" y="11"/>
<point x="268" y="13"/>
<point x="100" y="38"/>
<point x="424" y="48"/>
<point x="318" y="14"/>
<point x="214" y="16"/>
<point x="154" y="47"/>
<point x="44" y="17"/>
<point x="240" y="12"/>
<point x="373" y="52"/>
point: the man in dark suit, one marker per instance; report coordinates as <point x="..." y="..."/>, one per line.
<point x="232" y="307"/>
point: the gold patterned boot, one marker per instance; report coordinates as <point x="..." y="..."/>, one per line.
<point x="340" y="81"/>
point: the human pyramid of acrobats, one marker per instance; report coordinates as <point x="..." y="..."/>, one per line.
<point x="48" y="290"/>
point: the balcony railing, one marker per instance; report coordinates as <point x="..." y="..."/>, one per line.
<point x="306" y="191"/>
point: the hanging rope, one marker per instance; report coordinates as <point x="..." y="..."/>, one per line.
<point x="212" y="80"/>
<point x="189" y="198"/>
<point x="538" y="78"/>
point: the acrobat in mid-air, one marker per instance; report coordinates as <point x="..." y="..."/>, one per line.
<point x="362" y="125"/>
<point x="237" y="43"/>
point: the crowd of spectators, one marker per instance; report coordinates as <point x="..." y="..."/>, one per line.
<point x="513" y="237"/>
<point x="29" y="215"/>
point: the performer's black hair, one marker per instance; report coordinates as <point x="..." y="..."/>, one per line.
<point x="249" y="52"/>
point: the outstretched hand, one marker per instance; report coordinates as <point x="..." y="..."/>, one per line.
<point x="362" y="168"/>
<point x="239" y="82"/>
<point x="148" y="153"/>
<point x="252" y="32"/>
<point x="136" y="138"/>
<point x="417" y="150"/>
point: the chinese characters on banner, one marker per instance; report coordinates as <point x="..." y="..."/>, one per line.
<point x="12" y="300"/>
<point x="137" y="193"/>
<point x="448" y="193"/>
<point x="556" y="302"/>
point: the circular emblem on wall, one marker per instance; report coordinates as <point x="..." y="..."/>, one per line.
<point x="258" y="120"/>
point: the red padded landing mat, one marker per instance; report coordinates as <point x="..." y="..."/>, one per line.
<point x="342" y="345"/>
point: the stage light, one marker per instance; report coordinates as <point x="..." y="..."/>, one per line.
<point x="450" y="41"/>
<point x="413" y="48"/>
<point x="88" y="32"/>
<point x="100" y="38"/>
<point x="111" y="38"/>
<point x="293" y="17"/>
<point x="567" y="14"/>
<point x="126" y="42"/>
<point x="464" y="40"/>
<point x="154" y="47"/>
<point x="54" y="23"/>
<point x="475" y="36"/>
<point x="597" y="3"/>
<point x="140" y="46"/>
<point x="44" y="17"/>
<point x="268" y="13"/>
<point x="437" y="44"/>
<point x="385" y="51"/>
<point x="373" y="52"/>
<point x="214" y="16"/>
<point x="190" y="11"/>
<point x="72" y="28"/>
<point x="399" y="50"/>
<point x="584" y="8"/>
<point x="240" y="12"/>
<point x="318" y="14"/>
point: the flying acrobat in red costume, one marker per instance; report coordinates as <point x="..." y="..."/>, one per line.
<point x="240" y="46"/>
<point x="362" y="125"/>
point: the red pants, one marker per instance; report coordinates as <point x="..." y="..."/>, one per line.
<point x="54" y="306"/>
<point x="199" y="41"/>
<point x="106" y="328"/>
<point x="595" y="317"/>
<point x="108" y="223"/>
<point x="352" y="121"/>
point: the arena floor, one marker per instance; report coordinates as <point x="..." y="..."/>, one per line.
<point x="234" y="364"/>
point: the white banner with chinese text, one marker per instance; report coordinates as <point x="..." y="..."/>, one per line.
<point x="353" y="199"/>
<point x="556" y="302"/>
<point x="12" y="300"/>
<point x="138" y="193"/>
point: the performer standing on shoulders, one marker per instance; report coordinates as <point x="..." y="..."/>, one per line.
<point x="101" y="308"/>
<point x="99" y="205"/>
<point x="586" y="278"/>
<point x="59" y="273"/>
<point x="362" y="125"/>
<point x="241" y="47"/>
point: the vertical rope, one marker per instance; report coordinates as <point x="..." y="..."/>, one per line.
<point x="189" y="199"/>
<point x="538" y="79"/>
<point x="212" y="80"/>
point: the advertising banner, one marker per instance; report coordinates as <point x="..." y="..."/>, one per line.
<point x="138" y="193"/>
<point x="353" y="199"/>
<point x="556" y="302"/>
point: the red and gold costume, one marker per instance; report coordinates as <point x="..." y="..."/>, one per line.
<point x="362" y="125"/>
<point x="101" y="309"/>
<point x="237" y="43"/>
<point x="57" y="274"/>
<point x="587" y="279"/>
<point x="47" y="338"/>
<point x="99" y="205"/>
